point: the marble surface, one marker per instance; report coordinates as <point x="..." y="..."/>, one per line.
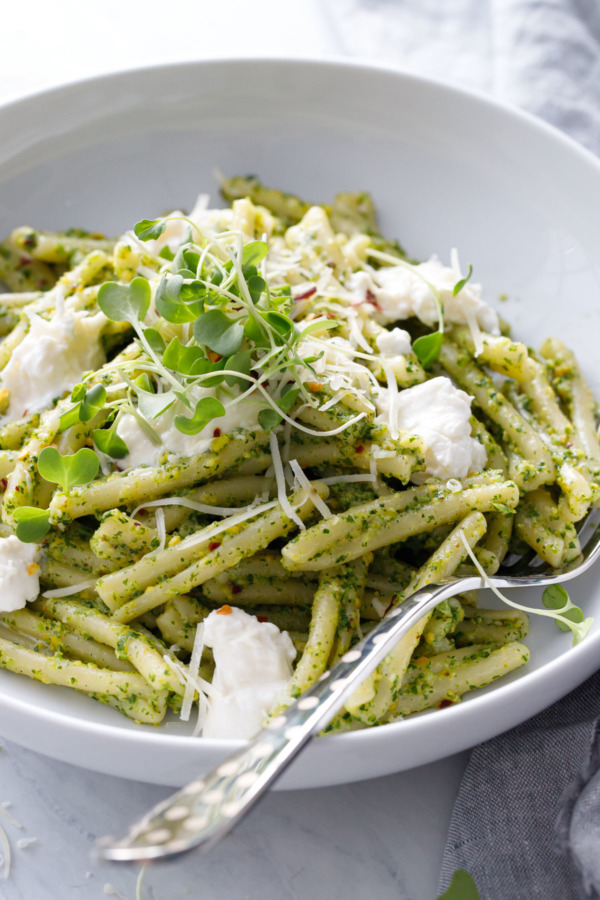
<point x="381" y="839"/>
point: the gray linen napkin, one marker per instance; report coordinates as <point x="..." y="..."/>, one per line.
<point x="526" y="823"/>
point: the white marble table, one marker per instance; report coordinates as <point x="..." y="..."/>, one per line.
<point x="381" y="839"/>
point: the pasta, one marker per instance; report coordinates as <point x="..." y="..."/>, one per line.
<point x="231" y="440"/>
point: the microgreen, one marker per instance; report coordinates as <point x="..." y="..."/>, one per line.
<point x="463" y="281"/>
<point x="219" y="333"/>
<point x="427" y="348"/>
<point x="70" y="417"/>
<point x="87" y="405"/>
<point x="567" y="616"/>
<point x="68" y="471"/>
<point x="155" y="341"/>
<point x="32" y="524"/>
<point x="240" y="362"/>
<point x="144" y="383"/>
<point x="125" y="302"/>
<point x="462" y="887"/>
<point x="92" y="403"/>
<point x="207" y="409"/>
<point x="152" y="405"/>
<point x="319" y="325"/>
<point x="281" y="324"/>
<point x="269" y="418"/>
<point x="254" y="332"/>
<point x="180" y="358"/>
<point x="149" y="229"/>
<point x="254" y="253"/>
<point x="170" y="305"/>
<point x="108" y="441"/>
<point x="556" y="598"/>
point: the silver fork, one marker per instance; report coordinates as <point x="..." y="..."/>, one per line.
<point x="205" y="811"/>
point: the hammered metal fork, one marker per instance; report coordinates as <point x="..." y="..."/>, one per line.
<point x="205" y="811"/>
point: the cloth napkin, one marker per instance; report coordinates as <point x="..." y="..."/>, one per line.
<point x="526" y="823"/>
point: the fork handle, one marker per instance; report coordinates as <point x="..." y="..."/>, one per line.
<point x="207" y="809"/>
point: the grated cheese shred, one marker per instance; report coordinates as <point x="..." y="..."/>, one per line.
<point x="304" y="482"/>
<point x="281" y="485"/>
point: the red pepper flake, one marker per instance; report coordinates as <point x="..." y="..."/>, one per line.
<point x="225" y="610"/>
<point x="359" y="449"/>
<point x="445" y="703"/>
<point x="217" y="432"/>
<point x="262" y="619"/>
<point x="306" y="294"/>
<point x="370" y="298"/>
<point x="331" y="315"/>
<point x="214" y="357"/>
<point x="24" y="261"/>
<point x="214" y="545"/>
<point x="3" y="484"/>
<point x="236" y="589"/>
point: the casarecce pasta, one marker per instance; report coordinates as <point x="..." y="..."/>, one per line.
<point x="231" y="440"/>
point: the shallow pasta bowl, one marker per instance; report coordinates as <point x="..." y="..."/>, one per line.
<point x="447" y="169"/>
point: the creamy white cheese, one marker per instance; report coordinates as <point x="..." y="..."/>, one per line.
<point x="439" y="413"/>
<point x="51" y="359"/>
<point x="19" y="573"/>
<point x="394" y="343"/>
<point x="144" y="452"/>
<point x="398" y="292"/>
<point x="253" y="663"/>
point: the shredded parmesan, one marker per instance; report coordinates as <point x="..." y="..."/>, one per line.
<point x="356" y="334"/>
<point x="68" y="591"/>
<point x="210" y="532"/>
<point x="379" y="606"/>
<point x="161" y="529"/>
<point x="335" y="399"/>
<point x="194" y="669"/>
<point x="475" y="330"/>
<point x="206" y="508"/>
<point x="305" y="483"/>
<point x="281" y="485"/>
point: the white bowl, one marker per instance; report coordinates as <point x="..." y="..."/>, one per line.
<point x="447" y="169"/>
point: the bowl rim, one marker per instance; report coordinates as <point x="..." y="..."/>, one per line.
<point x="572" y="661"/>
